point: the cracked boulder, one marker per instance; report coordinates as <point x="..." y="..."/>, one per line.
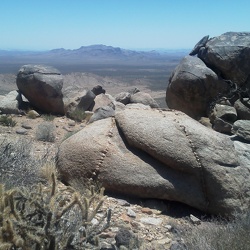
<point x="159" y="154"/>
<point x="229" y="55"/>
<point x="42" y="86"/>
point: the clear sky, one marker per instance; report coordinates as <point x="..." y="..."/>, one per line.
<point x="130" y="24"/>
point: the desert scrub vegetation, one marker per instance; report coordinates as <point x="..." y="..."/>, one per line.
<point x="18" y="165"/>
<point x="50" y="217"/>
<point x="6" y="120"/>
<point x="48" y="117"/>
<point x="221" y="234"/>
<point x="77" y="115"/>
<point x="46" y="131"/>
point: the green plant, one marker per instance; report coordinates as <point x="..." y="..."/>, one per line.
<point x="50" y="217"/>
<point x="77" y="115"/>
<point x="46" y="132"/>
<point x="6" y="120"/>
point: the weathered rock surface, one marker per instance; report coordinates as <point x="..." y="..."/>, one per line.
<point x="224" y="112"/>
<point x="199" y="45"/>
<point x="144" y="98"/>
<point x="192" y="86"/>
<point x="9" y="103"/>
<point x="135" y="155"/>
<point x="102" y="100"/>
<point x="243" y="109"/>
<point x="42" y="86"/>
<point x="242" y="129"/>
<point x="222" y="126"/>
<point x="102" y="113"/>
<point x="97" y="90"/>
<point x="123" y="97"/>
<point x="229" y="54"/>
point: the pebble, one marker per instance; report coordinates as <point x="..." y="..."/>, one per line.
<point x="151" y="221"/>
<point x="131" y="213"/>
<point x="123" y="203"/>
<point x="22" y="131"/>
<point x="71" y="123"/>
<point x="146" y="210"/>
<point x="26" y="126"/>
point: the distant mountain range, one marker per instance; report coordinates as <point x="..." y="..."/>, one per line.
<point x="92" y="54"/>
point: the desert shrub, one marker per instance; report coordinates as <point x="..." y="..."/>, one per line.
<point x="18" y="166"/>
<point x="220" y="235"/>
<point x="50" y="217"/>
<point x="77" y="115"/>
<point x="8" y="121"/>
<point x="48" y="117"/>
<point x="46" y="132"/>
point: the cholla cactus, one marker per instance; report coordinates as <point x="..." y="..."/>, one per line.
<point x="50" y="217"/>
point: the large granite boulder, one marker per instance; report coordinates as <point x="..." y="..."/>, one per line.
<point x="42" y="86"/>
<point x="229" y="56"/>
<point x="159" y="154"/>
<point x="192" y="87"/>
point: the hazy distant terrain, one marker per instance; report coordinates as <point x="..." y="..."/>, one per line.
<point x="115" y="69"/>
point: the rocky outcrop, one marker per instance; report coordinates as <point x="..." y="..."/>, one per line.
<point x="219" y="72"/>
<point x="229" y="55"/>
<point x="135" y="155"/>
<point x="42" y="86"/>
<point x="192" y="87"/>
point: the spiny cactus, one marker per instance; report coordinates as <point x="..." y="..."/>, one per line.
<point x="50" y="218"/>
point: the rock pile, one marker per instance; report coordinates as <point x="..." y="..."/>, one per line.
<point x="216" y="82"/>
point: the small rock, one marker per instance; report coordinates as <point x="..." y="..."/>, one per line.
<point x="168" y="227"/>
<point x="146" y="210"/>
<point x="164" y="241"/>
<point x="106" y="246"/>
<point x="106" y="235"/>
<point x="94" y="221"/>
<point x="32" y="114"/>
<point x="177" y="246"/>
<point x="131" y="213"/>
<point x="68" y="129"/>
<point x="125" y="218"/>
<point x="195" y="220"/>
<point x="123" y="237"/>
<point x="22" y="131"/>
<point x="26" y="125"/>
<point x="151" y="221"/>
<point x="123" y="203"/>
<point x="72" y="123"/>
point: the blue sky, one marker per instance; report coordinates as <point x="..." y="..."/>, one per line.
<point x="131" y="24"/>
